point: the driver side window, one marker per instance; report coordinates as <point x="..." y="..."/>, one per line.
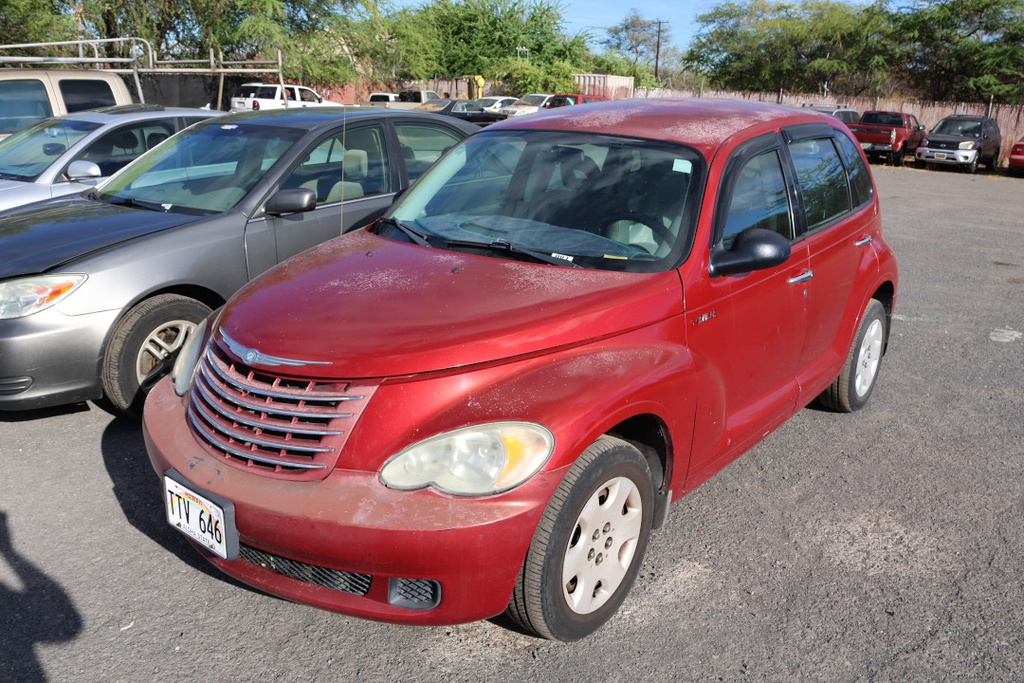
<point x="759" y="199"/>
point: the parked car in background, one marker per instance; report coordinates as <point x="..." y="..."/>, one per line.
<point x="569" y="100"/>
<point x="964" y="141"/>
<point x="844" y="114"/>
<point x="496" y="103"/>
<point x="98" y="290"/>
<point x="406" y="99"/>
<point x="1015" y="164"/>
<point x="569" y="322"/>
<point x="383" y="97"/>
<point x="28" y="96"/>
<point x="530" y="104"/>
<point x="269" y="96"/>
<point x="888" y="135"/>
<point x="71" y="153"/>
<point x="467" y="110"/>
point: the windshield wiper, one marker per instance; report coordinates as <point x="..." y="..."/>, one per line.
<point x="415" y="235"/>
<point x="503" y="245"/>
<point x="135" y="204"/>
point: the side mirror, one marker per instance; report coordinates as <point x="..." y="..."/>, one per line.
<point x="753" y="249"/>
<point x="296" y="200"/>
<point x="921" y="127"/>
<point x="83" y="170"/>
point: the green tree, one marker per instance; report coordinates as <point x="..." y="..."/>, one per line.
<point x="965" y="49"/>
<point x="34" y="21"/>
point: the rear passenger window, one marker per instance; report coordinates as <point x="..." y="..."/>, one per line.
<point x="759" y="199"/>
<point x="22" y="103"/>
<point x="422" y="145"/>
<point x="858" y="172"/>
<point x="822" y="179"/>
<point x="85" y="94"/>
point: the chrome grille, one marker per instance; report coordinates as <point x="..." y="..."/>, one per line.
<point x="278" y="425"/>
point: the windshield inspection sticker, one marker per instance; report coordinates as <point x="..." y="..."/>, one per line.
<point x="564" y="257"/>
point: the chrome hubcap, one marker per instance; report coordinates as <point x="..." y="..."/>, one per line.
<point x="159" y="345"/>
<point x="602" y="545"/>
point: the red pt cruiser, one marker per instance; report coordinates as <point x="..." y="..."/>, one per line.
<point x="486" y="401"/>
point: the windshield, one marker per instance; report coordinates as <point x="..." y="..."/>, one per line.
<point x="533" y="100"/>
<point x="26" y="154"/>
<point x="206" y="169"/>
<point x="572" y="199"/>
<point x="966" y="128"/>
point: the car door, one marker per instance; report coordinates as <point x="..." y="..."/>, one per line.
<point x="747" y="331"/>
<point x="348" y="169"/>
<point x="839" y="224"/>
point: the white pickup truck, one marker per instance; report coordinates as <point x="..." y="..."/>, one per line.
<point x="262" y="96"/>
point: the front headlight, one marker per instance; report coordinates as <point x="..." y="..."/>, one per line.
<point x="472" y="461"/>
<point x="184" y="367"/>
<point x="29" y="295"/>
<point x="968" y="144"/>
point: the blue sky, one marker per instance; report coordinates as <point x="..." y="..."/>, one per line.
<point x="599" y="15"/>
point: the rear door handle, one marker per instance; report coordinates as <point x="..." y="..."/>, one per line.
<point x="802" y="277"/>
<point x="863" y="241"/>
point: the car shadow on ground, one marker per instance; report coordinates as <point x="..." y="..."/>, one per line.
<point x="13" y="416"/>
<point x="137" y="490"/>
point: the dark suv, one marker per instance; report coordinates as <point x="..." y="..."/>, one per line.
<point x="964" y="141"/>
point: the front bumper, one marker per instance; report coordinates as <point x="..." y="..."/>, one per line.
<point x="49" y="358"/>
<point x="950" y="157"/>
<point x="350" y="525"/>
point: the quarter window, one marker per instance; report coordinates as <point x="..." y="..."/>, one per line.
<point x="860" y="179"/>
<point x="822" y="179"/>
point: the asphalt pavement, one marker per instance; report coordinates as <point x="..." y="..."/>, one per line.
<point x="886" y="545"/>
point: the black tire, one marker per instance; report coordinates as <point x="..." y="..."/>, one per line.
<point x="897" y="158"/>
<point x="920" y="164"/>
<point x="589" y="544"/>
<point x="973" y="166"/>
<point x="130" y="366"/>
<point x="852" y="389"/>
<point x="993" y="162"/>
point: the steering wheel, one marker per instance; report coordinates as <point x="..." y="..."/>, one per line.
<point x="656" y="227"/>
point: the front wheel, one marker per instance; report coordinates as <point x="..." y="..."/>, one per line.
<point x="853" y="387"/>
<point x="589" y="544"/>
<point x="143" y="347"/>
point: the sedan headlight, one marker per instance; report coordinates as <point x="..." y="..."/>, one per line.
<point x="968" y="144"/>
<point x="29" y="295"/>
<point x="472" y="461"/>
<point x="184" y="367"/>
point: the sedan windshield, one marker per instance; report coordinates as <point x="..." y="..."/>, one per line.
<point x="206" y="169"/>
<point x="570" y="199"/>
<point x="26" y="154"/>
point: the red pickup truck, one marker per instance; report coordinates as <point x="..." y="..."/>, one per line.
<point x="888" y="135"/>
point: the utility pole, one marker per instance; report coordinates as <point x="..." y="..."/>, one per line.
<point x="657" y="48"/>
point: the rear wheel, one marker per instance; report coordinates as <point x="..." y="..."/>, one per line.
<point x="588" y="546"/>
<point x="144" y="345"/>
<point x="853" y="387"/>
<point x="897" y="158"/>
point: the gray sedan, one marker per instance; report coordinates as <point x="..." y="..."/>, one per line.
<point x="72" y="153"/>
<point x="98" y="291"/>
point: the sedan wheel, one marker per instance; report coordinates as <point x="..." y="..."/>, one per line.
<point x="589" y="545"/>
<point x="143" y="346"/>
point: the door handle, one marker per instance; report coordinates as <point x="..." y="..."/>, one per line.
<point x="802" y="277"/>
<point x="863" y="241"/>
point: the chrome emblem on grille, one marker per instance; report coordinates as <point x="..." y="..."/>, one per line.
<point x="254" y="357"/>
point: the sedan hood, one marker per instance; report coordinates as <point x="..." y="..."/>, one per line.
<point x="372" y="308"/>
<point x="39" y="237"/>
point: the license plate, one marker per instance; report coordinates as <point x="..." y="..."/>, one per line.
<point x="940" y="155"/>
<point x="207" y="519"/>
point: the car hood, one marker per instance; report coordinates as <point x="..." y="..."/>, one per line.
<point x="45" y="235"/>
<point x="939" y="137"/>
<point x="369" y="307"/>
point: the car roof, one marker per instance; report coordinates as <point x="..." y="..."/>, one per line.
<point x="701" y="123"/>
<point x="135" y="112"/>
<point x="308" y="118"/>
